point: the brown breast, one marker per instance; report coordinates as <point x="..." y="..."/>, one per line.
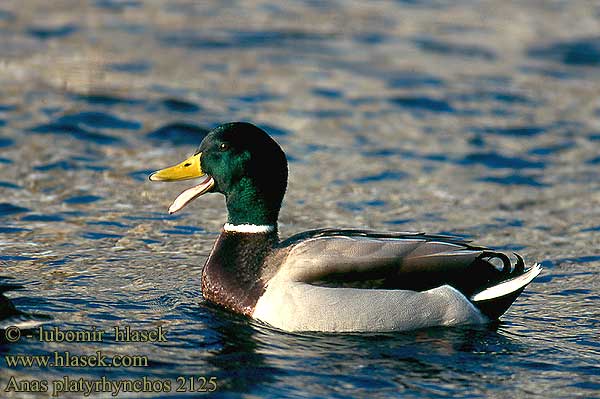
<point x="234" y="274"/>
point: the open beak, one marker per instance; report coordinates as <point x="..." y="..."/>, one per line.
<point x="191" y="168"/>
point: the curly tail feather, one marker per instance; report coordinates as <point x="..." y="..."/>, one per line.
<point x="507" y="266"/>
<point x="495" y="300"/>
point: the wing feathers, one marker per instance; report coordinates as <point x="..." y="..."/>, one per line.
<point x="317" y="258"/>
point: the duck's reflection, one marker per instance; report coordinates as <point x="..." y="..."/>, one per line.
<point x="240" y="363"/>
<point x="253" y="355"/>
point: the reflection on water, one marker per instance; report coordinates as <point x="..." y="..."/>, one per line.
<point x="445" y="117"/>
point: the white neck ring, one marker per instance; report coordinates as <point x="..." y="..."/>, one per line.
<point x="248" y="228"/>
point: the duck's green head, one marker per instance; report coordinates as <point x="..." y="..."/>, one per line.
<point x="240" y="161"/>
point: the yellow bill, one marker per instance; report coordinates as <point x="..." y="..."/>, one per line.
<point x="191" y="168"/>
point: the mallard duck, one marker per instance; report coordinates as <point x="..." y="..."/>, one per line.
<point x="331" y="280"/>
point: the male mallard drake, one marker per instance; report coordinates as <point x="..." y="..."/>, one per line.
<point x="330" y="280"/>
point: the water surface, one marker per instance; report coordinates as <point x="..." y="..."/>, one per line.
<point x="478" y="119"/>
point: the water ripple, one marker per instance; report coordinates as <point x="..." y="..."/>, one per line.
<point x="514" y="179"/>
<point x="7" y="209"/>
<point x="495" y="160"/>
<point x="75" y="132"/>
<point x="134" y="67"/>
<point x="580" y="52"/>
<point x="45" y="33"/>
<point x="10" y="185"/>
<point x="453" y="49"/>
<point x="515" y="131"/>
<point x="176" y="105"/>
<point x="43" y="218"/>
<point x="82" y="199"/>
<point x="93" y="235"/>
<point x="101" y="120"/>
<point x="107" y="99"/>
<point x="6" y="142"/>
<point x="386" y="175"/>
<point x="422" y="104"/>
<point x="241" y="39"/>
<point x="117" y="5"/>
<point x="179" y="133"/>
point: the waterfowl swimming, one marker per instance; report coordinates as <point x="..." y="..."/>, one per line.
<point x="330" y="279"/>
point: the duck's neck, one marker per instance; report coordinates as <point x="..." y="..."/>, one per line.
<point x="234" y="274"/>
<point x="247" y="205"/>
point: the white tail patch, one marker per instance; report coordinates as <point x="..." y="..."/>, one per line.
<point x="508" y="286"/>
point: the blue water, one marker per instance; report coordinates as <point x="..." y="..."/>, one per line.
<point x="477" y="119"/>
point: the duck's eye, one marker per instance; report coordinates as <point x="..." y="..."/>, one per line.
<point x="223" y="147"/>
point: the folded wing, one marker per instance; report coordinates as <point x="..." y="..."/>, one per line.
<point x="406" y="261"/>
